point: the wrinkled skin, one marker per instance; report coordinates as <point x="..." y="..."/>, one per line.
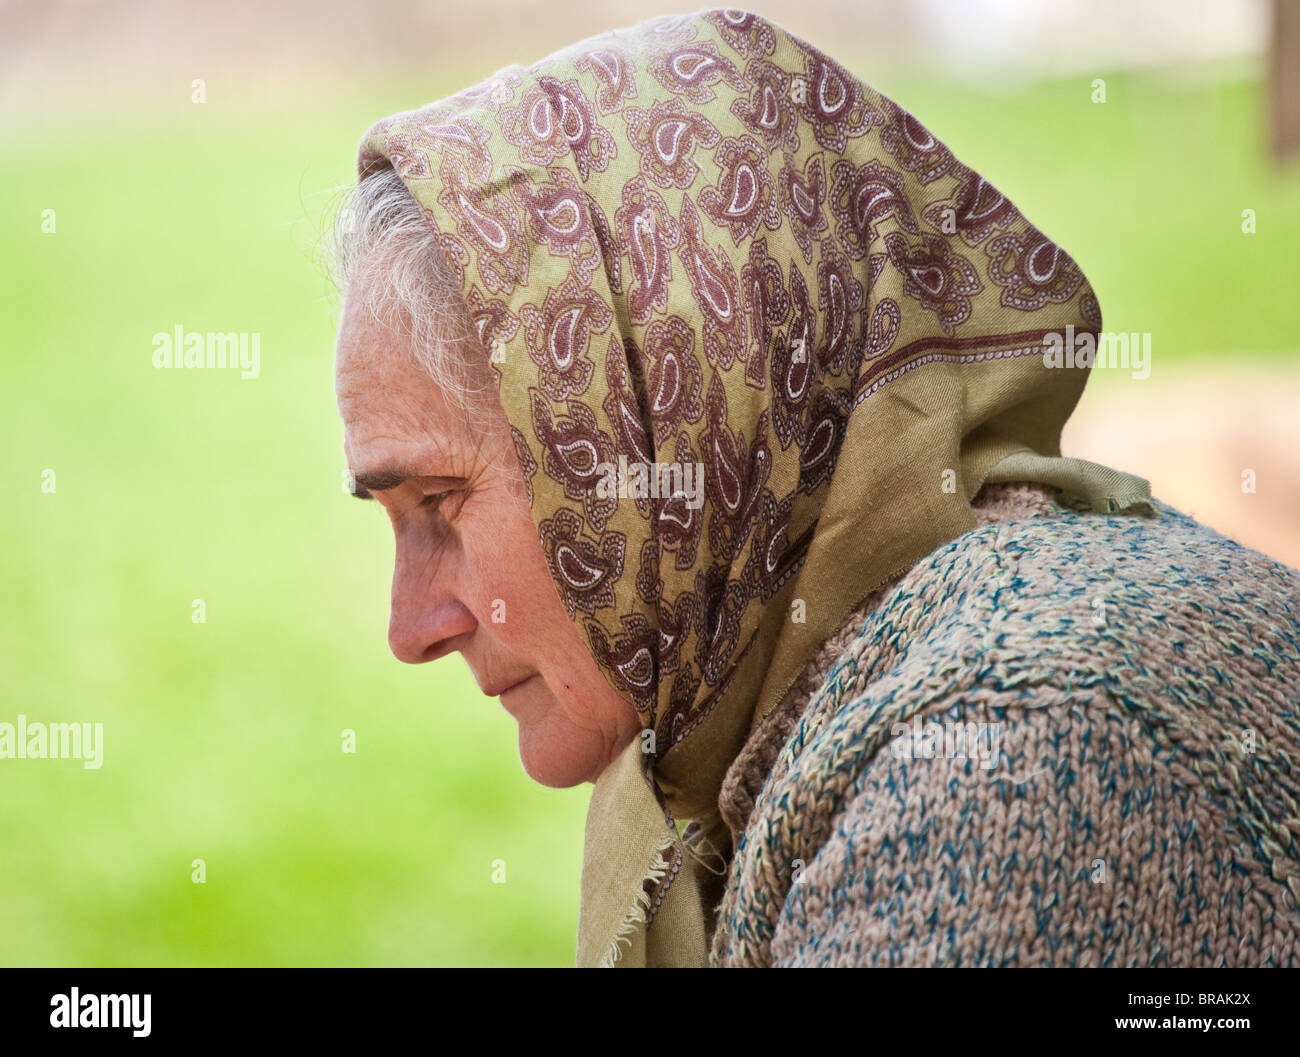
<point x="467" y="549"/>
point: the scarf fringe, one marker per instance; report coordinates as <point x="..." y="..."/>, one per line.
<point x="1106" y="490"/>
<point x="639" y="911"/>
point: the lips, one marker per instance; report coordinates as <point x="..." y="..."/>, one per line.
<point x="503" y="687"/>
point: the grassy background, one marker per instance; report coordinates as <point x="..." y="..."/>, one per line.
<point x="222" y="740"/>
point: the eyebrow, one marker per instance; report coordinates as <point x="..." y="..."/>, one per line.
<point x="378" y="481"/>
<point x="389" y="477"/>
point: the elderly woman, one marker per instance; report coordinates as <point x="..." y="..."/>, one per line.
<point x="716" y="407"/>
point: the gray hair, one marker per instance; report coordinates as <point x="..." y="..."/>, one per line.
<point x="382" y="236"/>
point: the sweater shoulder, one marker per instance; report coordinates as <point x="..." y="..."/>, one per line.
<point x="1120" y="665"/>
<point x="1077" y="598"/>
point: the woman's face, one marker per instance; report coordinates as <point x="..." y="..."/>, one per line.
<point x="469" y="573"/>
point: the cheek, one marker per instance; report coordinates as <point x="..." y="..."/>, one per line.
<point x="567" y="740"/>
<point x="514" y="593"/>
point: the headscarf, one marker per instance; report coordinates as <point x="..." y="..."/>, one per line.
<point x="702" y="241"/>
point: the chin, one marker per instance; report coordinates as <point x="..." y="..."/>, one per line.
<point x="557" y="763"/>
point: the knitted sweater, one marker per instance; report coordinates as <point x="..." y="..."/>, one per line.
<point x="1131" y="798"/>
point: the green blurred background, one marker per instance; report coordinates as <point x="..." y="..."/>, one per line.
<point x="222" y="739"/>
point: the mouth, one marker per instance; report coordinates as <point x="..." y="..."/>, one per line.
<point x="501" y="689"/>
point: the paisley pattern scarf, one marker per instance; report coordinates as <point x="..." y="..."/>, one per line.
<point x="760" y="338"/>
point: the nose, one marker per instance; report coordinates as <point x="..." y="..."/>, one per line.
<point x="426" y="619"/>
